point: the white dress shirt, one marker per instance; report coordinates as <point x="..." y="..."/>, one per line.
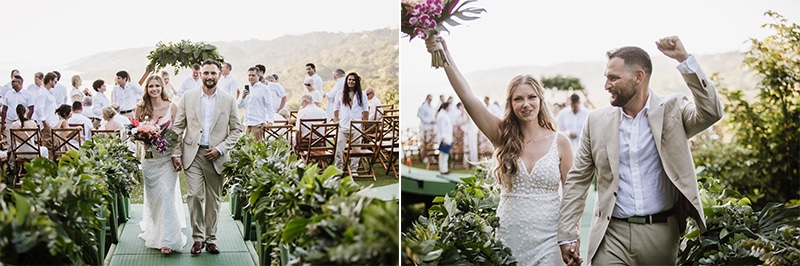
<point x="188" y="84"/>
<point x="34" y="90"/>
<point x="569" y="121"/>
<point x="45" y="108"/>
<point x="352" y="112"/>
<point x="5" y="89"/>
<point x="99" y="101"/>
<point x="13" y="98"/>
<point x="60" y="93"/>
<point x="257" y="105"/>
<point x="331" y="96"/>
<point x="128" y="97"/>
<point x="496" y="110"/>
<point x="373" y="108"/>
<point x="644" y="187"/>
<point x="427" y="116"/>
<point x="445" y="127"/>
<point x="277" y="92"/>
<point x="228" y="85"/>
<point x="309" y="112"/>
<point x="316" y="96"/>
<point x="317" y="82"/>
<point x="207" y="107"/>
<point x="72" y="94"/>
<point x="82" y="119"/>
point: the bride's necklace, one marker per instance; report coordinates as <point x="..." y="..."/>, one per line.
<point x="528" y="141"/>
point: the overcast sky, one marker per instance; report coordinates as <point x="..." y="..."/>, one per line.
<point x="549" y="32"/>
<point x="59" y="31"/>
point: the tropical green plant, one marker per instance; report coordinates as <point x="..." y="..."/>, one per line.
<point x="181" y="55"/>
<point x="113" y="162"/>
<point x="460" y="228"/>
<point x="738" y="235"/>
<point x="27" y="234"/>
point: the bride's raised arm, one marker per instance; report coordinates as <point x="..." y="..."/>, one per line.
<point x="485" y="120"/>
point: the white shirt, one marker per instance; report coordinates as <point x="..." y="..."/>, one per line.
<point x="5" y="89"/>
<point x="496" y="110"/>
<point x="228" y="85"/>
<point x="331" y="96"/>
<point x="644" y="187"/>
<point x="34" y="90"/>
<point x="45" y="108"/>
<point x="427" y="116"/>
<point x="309" y="112"/>
<point x="352" y="112"/>
<point x="60" y="93"/>
<point x="72" y="94"/>
<point x="373" y="108"/>
<point x="207" y="106"/>
<point x="277" y="92"/>
<point x="445" y="127"/>
<point x="188" y="84"/>
<point x="99" y="101"/>
<point x="128" y="97"/>
<point x="316" y="96"/>
<point x="257" y="105"/>
<point x="13" y="98"/>
<point x="569" y="121"/>
<point x="82" y="119"/>
<point x="122" y="120"/>
<point x="317" y="82"/>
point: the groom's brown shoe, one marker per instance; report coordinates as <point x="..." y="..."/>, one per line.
<point x="212" y="248"/>
<point x="197" y="247"/>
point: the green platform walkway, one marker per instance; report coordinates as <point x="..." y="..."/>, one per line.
<point x="131" y="249"/>
<point x="420" y="185"/>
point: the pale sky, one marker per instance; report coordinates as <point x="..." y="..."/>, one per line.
<point x="59" y="32"/>
<point x="543" y="33"/>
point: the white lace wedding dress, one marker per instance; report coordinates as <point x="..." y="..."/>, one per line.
<point x="162" y="216"/>
<point x="529" y="212"/>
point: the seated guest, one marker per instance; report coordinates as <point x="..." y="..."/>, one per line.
<point x="316" y="95"/>
<point x="24" y="122"/>
<point x="110" y="123"/>
<point x="79" y="118"/>
<point x="308" y="110"/>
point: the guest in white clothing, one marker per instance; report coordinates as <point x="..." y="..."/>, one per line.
<point x="171" y="91"/>
<point x="100" y="99"/>
<point x="308" y="110"/>
<point x="570" y="121"/>
<point x="277" y="93"/>
<point x="351" y="104"/>
<point x="192" y="82"/>
<point x="87" y="105"/>
<point x="75" y="95"/>
<point x="227" y="83"/>
<point x="126" y="94"/>
<point x="445" y="136"/>
<point x="311" y="70"/>
<point x="45" y="109"/>
<point x="78" y="118"/>
<point x="374" y="102"/>
<point x="257" y="104"/>
<point x="36" y="87"/>
<point x="60" y="91"/>
<point x="338" y="76"/>
<point x="316" y="96"/>
<point x="6" y="88"/>
<point x="11" y="99"/>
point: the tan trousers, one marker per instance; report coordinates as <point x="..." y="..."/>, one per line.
<point x="204" y="185"/>
<point x="639" y="244"/>
<point x="256" y="131"/>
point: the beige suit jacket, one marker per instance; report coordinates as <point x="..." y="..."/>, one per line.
<point x="673" y="120"/>
<point x="225" y="130"/>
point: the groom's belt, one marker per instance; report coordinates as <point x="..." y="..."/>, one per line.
<point x="203" y="146"/>
<point x="660" y="217"/>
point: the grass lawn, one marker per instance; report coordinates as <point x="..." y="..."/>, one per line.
<point x="383" y="179"/>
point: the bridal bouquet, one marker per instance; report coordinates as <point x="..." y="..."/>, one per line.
<point x="426" y="18"/>
<point x="152" y="134"/>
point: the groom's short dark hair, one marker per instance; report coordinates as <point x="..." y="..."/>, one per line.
<point x="212" y="62"/>
<point x="633" y="55"/>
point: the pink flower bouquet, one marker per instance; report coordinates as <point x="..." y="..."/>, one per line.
<point x="152" y="134"/>
<point x="426" y="18"/>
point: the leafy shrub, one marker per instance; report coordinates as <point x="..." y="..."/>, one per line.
<point x="112" y="161"/>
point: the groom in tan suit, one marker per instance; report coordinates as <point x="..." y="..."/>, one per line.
<point x="646" y="183"/>
<point x="211" y="124"/>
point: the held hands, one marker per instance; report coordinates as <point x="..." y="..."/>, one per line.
<point x="672" y="47"/>
<point x="570" y="253"/>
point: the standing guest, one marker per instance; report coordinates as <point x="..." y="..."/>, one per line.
<point x="311" y="70"/>
<point x="257" y="104"/>
<point x="277" y="94"/>
<point x="79" y="118"/>
<point x="351" y="104"/>
<point x="6" y="88"/>
<point x="45" y="109"/>
<point x="261" y="70"/>
<point x="60" y="91"/>
<point x="168" y="86"/>
<point x="637" y="149"/>
<point x="374" y="102"/>
<point x="75" y="95"/>
<point x="227" y="83"/>
<point x="109" y="123"/>
<point x="338" y="76"/>
<point x="100" y="99"/>
<point x="16" y="96"/>
<point x="275" y="75"/>
<point x="88" y="105"/>
<point x="126" y="94"/>
<point x="316" y="95"/>
<point x="192" y="82"/>
<point x="570" y="121"/>
<point x="445" y="137"/>
<point x="38" y="84"/>
<point x="427" y="124"/>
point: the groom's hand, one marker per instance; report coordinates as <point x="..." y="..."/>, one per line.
<point x="211" y="153"/>
<point x="570" y="253"/>
<point x="176" y="162"/>
<point x="672" y="47"/>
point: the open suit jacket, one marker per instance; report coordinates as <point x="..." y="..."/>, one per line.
<point x="225" y="128"/>
<point x="673" y="120"/>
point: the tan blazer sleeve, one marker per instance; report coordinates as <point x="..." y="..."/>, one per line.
<point x="707" y="108"/>
<point x="576" y="188"/>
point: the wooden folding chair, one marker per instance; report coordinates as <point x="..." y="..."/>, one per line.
<point x="278" y="132"/>
<point x="362" y="144"/>
<point x="25" y="145"/>
<point x="431" y="149"/>
<point x="64" y="140"/>
<point x="303" y="135"/>
<point x="380" y="110"/>
<point x="457" y="150"/>
<point x="83" y="130"/>
<point x="389" y="151"/>
<point x="322" y="148"/>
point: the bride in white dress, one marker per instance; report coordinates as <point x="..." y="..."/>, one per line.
<point x="532" y="164"/>
<point x="162" y="217"/>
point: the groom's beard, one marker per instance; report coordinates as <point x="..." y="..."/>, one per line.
<point x="210" y="83"/>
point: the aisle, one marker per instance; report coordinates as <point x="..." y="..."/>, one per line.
<point x="234" y="250"/>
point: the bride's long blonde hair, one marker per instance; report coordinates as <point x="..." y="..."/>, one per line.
<point x="510" y="149"/>
<point x="146" y="105"/>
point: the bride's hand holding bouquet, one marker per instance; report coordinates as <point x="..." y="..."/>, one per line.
<point x="425" y="19"/>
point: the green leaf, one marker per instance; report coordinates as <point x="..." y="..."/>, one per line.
<point x="294" y="228"/>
